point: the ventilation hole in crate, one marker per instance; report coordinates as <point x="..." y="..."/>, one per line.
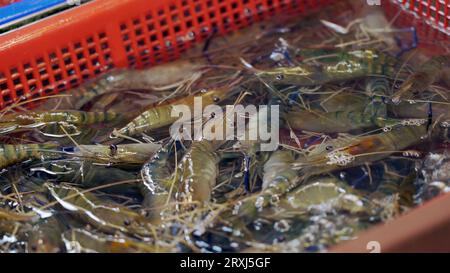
<point x="14" y="72"/>
<point x="95" y="62"/>
<point x="7" y="98"/>
<point x="61" y="86"/>
<point x="141" y="42"/>
<point x="3" y="86"/>
<point x="52" y="56"/>
<point x="73" y="81"/>
<point x="171" y="31"/>
<point x="19" y="93"/>
<point x="104" y="45"/>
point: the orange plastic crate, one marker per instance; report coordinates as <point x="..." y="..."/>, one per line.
<point x="430" y="17"/>
<point x="7" y="2"/>
<point x="64" y="50"/>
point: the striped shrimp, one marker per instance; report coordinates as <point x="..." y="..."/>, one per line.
<point x="361" y="113"/>
<point x="12" y="154"/>
<point x="338" y="66"/>
<point x="159" y="116"/>
<point x="432" y="71"/>
<point x="339" y="153"/>
<point x="278" y="179"/>
<point x="107" y="217"/>
<point x="13" y="122"/>
<point x="197" y="172"/>
<point x="83" y="172"/>
<point x="340" y="121"/>
<point x="155" y="184"/>
<point x="154" y="78"/>
<point x="115" y="154"/>
<point x="83" y="241"/>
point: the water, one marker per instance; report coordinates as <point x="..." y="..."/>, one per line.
<point x="381" y="162"/>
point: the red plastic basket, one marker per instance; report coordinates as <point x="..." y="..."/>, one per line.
<point x="7" y="2"/>
<point x="62" y="51"/>
<point x="435" y="12"/>
<point x="430" y="17"/>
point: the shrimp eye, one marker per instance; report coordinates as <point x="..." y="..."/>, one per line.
<point x="213" y="115"/>
<point x="216" y="99"/>
<point x="329" y="148"/>
<point x="126" y="222"/>
<point x="113" y="149"/>
<point x="280" y="77"/>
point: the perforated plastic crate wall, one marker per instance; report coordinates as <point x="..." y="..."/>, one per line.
<point x="60" y="52"/>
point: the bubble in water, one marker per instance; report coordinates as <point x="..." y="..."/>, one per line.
<point x="237" y="232"/>
<point x="234" y="245"/>
<point x="236" y="208"/>
<point x="217" y="248"/>
<point x="191" y="35"/>
<point x="282" y="226"/>
<point x="258" y="224"/>
<point x="259" y="202"/>
<point x="445" y="124"/>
